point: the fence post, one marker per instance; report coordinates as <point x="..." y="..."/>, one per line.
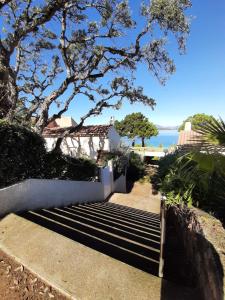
<point x="162" y="238"/>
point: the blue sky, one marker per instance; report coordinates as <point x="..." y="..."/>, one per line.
<point x="198" y="86"/>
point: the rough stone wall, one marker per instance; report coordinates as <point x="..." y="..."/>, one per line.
<point x="203" y="238"/>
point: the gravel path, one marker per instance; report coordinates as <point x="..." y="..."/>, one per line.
<point x="16" y="283"/>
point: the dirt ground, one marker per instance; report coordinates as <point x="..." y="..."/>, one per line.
<point x="16" y="283"/>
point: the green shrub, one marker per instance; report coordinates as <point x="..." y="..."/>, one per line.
<point x="185" y="182"/>
<point x="60" y="166"/>
<point x="165" y="163"/>
<point x="21" y="154"/>
<point x="136" y="167"/>
<point x="119" y="166"/>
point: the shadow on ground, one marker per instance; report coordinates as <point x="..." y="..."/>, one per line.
<point x="126" y="234"/>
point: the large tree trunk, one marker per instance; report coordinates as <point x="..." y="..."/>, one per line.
<point x="5" y="103"/>
<point x="8" y="87"/>
<point x="143" y="142"/>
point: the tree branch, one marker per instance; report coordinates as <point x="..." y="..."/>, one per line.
<point x="30" y="25"/>
<point x="3" y="3"/>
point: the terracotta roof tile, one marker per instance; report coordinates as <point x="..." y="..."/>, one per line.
<point x="188" y="137"/>
<point x="52" y="124"/>
<point x="91" y="130"/>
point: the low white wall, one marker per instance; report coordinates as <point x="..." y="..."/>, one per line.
<point x="106" y="175"/>
<point x="41" y="193"/>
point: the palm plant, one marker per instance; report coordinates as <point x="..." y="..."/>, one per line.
<point x="198" y="175"/>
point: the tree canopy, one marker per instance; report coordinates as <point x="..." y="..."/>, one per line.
<point x="197" y="120"/>
<point x="54" y="51"/>
<point x="136" y="125"/>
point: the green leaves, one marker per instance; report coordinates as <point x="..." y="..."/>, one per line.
<point x="136" y="125"/>
<point x="170" y="17"/>
<point x="199" y="174"/>
<point x="197" y="120"/>
<point x="213" y="132"/>
<point x="23" y="155"/>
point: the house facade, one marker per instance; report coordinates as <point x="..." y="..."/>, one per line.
<point x="87" y="142"/>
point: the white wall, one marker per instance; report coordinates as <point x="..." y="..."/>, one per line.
<point x="43" y="193"/>
<point x="80" y="146"/>
<point x="106" y="179"/>
<point x="87" y="146"/>
<point x="114" y="139"/>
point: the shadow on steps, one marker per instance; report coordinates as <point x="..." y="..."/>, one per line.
<point x="126" y="234"/>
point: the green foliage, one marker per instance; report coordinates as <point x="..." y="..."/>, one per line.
<point x="21" y="154"/>
<point x="213" y="134"/>
<point x="197" y="120"/>
<point x="165" y="163"/>
<point x="60" y="166"/>
<point x="119" y="160"/>
<point x="198" y="176"/>
<point x="136" y="125"/>
<point x="119" y="166"/>
<point x="177" y="182"/>
<point x="136" y="167"/>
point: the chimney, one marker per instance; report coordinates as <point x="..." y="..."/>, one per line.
<point x="65" y="122"/>
<point x="112" y="121"/>
<point x="187" y="126"/>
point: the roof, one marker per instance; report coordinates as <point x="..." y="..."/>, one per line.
<point x="91" y="130"/>
<point x="188" y="137"/>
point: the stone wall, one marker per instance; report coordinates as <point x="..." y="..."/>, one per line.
<point x="203" y="239"/>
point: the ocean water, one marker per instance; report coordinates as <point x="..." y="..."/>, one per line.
<point x="165" y="138"/>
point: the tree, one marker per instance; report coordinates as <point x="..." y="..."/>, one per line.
<point x="136" y="125"/>
<point x="197" y="120"/>
<point x="53" y="51"/>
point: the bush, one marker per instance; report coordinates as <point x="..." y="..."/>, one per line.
<point x="22" y="154"/>
<point x="119" y="166"/>
<point x="165" y="163"/>
<point x="185" y="182"/>
<point x="60" y="166"/>
<point x="136" y="167"/>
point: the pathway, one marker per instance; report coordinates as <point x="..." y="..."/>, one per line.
<point x="94" y="251"/>
<point x="141" y="197"/>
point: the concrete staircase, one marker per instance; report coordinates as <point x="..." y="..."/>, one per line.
<point x="127" y="234"/>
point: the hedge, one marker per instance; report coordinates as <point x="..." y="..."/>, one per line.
<point x="22" y="154"/>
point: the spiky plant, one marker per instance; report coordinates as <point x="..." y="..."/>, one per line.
<point x="198" y="175"/>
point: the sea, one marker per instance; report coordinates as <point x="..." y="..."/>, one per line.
<point x="165" y="139"/>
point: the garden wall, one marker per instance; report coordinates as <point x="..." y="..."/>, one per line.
<point x="45" y="193"/>
<point x="203" y="238"/>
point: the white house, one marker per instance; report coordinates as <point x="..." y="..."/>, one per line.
<point x="84" y="143"/>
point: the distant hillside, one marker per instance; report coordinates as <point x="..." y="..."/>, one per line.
<point x="167" y="127"/>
